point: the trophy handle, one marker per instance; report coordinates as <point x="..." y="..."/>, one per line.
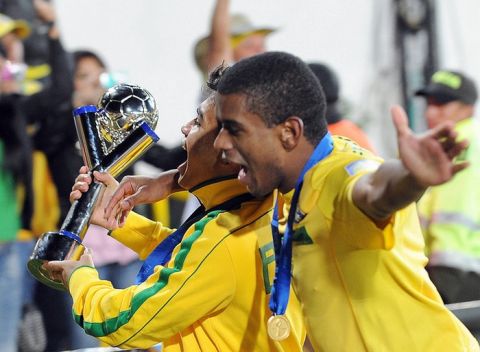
<point x="65" y="244"/>
<point x="52" y="245"/>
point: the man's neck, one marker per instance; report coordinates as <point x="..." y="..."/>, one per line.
<point x="295" y="164"/>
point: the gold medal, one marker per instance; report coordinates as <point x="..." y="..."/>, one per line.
<point x="278" y="327"/>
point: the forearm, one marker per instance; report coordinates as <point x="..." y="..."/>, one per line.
<point x="219" y="48"/>
<point x="140" y="234"/>
<point x="169" y="179"/>
<point x="390" y="188"/>
<point x="165" y="304"/>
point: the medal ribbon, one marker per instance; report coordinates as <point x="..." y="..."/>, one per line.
<point x="283" y="245"/>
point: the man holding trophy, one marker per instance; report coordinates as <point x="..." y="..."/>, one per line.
<point x="204" y="286"/>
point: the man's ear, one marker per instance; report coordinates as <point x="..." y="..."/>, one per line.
<point x="291" y="132"/>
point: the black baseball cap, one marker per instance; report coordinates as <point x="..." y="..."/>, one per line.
<point x="331" y="87"/>
<point x="447" y="86"/>
<point x="328" y="80"/>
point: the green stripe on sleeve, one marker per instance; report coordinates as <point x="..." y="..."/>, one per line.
<point x="113" y="324"/>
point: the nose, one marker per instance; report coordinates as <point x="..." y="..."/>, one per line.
<point x="186" y="128"/>
<point x="222" y="141"/>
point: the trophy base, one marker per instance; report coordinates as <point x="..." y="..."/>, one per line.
<point x="53" y="246"/>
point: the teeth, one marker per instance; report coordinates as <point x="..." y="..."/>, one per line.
<point x="242" y="173"/>
<point x="224" y="155"/>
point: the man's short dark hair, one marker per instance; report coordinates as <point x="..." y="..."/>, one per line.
<point x="278" y="85"/>
<point x="215" y="75"/>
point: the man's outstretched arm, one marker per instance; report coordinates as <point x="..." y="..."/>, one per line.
<point x="425" y="160"/>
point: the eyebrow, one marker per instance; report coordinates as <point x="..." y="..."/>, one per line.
<point x="229" y="124"/>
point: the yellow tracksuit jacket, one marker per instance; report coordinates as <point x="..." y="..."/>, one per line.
<point x="211" y="296"/>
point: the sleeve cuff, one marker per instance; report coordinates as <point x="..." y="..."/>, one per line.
<point x="81" y="275"/>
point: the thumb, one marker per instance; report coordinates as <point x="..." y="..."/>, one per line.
<point x="105" y="178"/>
<point x="86" y="257"/>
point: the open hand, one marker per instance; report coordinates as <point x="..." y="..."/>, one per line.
<point x="428" y="157"/>
<point x="134" y="190"/>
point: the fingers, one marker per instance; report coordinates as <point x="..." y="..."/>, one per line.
<point x="123" y="218"/>
<point x="54" y="265"/>
<point x="81" y="185"/>
<point x="85" y="178"/>
<point x="112" y="221"/>
<point x="118" y="215"/>
<point x="460" y="166"/>
<point x="114" y="201"/>
<point x="83" y="170"/>
<point x="61" y="270"/>
<point x="55" y="270"/>
<point x="86" y="258"/>
<point x="129" y="202"/>
<point x="75" y="195"/>
<point x="454" y="149"/>
<point x="400" y="120"/>
<point x="124" y="189"/>
<point x="105" y="178"/>
<point x="444" y="130"/>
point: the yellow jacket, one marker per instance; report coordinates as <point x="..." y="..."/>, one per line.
<point x="211" y="296"/>
<point x="364" y="288"/>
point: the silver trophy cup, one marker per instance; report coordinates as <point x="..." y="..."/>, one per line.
<point x="112" y="136"/>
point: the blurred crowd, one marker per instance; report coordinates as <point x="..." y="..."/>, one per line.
<point x="40" y="85"/>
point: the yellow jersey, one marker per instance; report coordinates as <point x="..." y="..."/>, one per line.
<point x="211" y="296"/>
<point x="363" y="288"/>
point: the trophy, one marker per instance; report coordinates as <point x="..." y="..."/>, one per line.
<point x="112" y="136"/>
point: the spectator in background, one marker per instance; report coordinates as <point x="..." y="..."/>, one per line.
<point x="35" y="46"/>
<point x="49" y="115"/>
<point x="231" y="39"/>
<point x="337" y="124"/>
<point x="49" y="112"/>
<point x="16" y="202"/>
<point x="12" y="32"/>
<point x="450" y="213"/>
<point x="115" y="262"/>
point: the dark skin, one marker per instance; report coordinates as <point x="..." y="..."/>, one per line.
<point x="425" y="160"/>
